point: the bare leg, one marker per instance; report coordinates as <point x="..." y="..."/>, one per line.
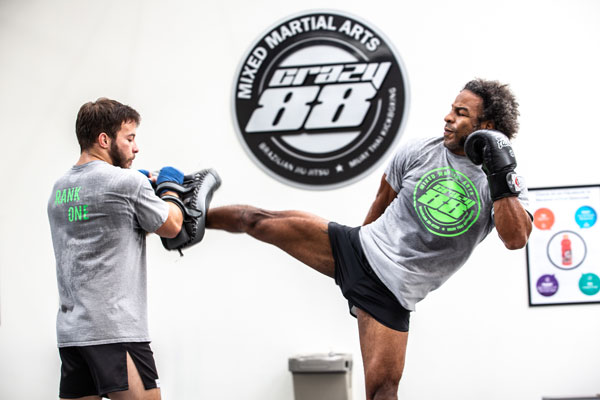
<point x="300" y="234"/>
<point x="383" y="352"/>
<point x="305" y="237"/>
<point x="136" y="389"/>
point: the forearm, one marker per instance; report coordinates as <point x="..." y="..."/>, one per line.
<point x="175" y="217"/>
<point x="172" y="225"/>
<point x="375" y="211"/>
<point x="492" y="149"/>
<point x="385" y="195"/>
<point x="513" y="223"/>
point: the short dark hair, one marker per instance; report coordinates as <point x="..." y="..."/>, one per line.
<point x="499" y="105"/>
<point x="103" y="115"/>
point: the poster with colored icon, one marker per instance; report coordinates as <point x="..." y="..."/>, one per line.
<point x="563" y="252"/>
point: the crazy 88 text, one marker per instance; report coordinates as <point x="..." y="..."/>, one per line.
<point x="318" y="97"/>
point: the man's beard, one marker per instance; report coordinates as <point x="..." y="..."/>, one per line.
<point x="117" y="158"/>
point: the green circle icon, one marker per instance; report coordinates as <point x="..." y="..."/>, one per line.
<point x="589" y="284"/>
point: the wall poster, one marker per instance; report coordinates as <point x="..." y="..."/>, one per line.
<point x="563" y="253"/>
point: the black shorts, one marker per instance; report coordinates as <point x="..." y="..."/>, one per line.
<point x="359" y="283"/>
<point x="102" y="369"/>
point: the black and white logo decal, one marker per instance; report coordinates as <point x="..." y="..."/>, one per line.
<point x="320" y="99"/>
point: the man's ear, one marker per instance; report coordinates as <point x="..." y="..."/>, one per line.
<point x="103" y="140"/>
<point x="487" y="125"/>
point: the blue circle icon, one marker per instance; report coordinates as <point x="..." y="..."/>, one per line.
<point x="586" y="217"/>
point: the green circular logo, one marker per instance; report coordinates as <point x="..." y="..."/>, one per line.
<point x="447" y="202"/>
<point x="589" y="284"/>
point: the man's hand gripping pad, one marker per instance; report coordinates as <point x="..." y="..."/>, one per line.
<point x="195" y="195"/>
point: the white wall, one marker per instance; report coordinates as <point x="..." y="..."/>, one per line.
<point x="226" y="317"/>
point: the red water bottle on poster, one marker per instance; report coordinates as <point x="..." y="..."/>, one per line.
<point x="567" y="257"/>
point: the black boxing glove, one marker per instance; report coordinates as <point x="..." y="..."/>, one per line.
<point x="494" y="151"/>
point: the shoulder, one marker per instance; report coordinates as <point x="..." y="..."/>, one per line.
<point x="419" y="145"/>
<point x="132" y="175"/>
<point x="64" y="178"/>
<point x="120" y="179"/>
<point x="413" y="150"/>
<point x="132" y="178"/>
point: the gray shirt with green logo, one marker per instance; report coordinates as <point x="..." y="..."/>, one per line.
<point x="442" y="212"/>
<point x="99" y="215"/>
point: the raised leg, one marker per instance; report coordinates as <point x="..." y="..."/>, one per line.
<point x="300" y="234"/>
<point x="383" y="352"/>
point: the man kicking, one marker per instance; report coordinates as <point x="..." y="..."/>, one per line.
<point x="434" y="205"/>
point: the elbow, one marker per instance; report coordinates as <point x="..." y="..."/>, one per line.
<point x="172" y="232"/>
<point x="171" y="228"/>
<point x="516" y="242"/>
<point x="516" y="237"/>
<point x="176" y="224"/>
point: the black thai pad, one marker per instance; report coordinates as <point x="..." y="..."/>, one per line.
<point x="195" y="195"/>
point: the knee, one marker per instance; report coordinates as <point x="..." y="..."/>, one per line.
<point x="383" y="389"/>
<point x="386" y="391"/>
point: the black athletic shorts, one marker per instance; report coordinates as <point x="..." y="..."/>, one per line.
<point x="102" y="369"/>
<point x="359" y="283"/>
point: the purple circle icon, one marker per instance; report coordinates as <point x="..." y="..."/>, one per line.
<point x="547" y="285"/>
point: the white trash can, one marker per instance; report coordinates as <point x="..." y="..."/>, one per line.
<point x="322" y="376"/>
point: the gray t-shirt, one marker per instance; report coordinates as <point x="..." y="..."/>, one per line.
<point x="442" y="212"/>
<point x="99" y="215"/>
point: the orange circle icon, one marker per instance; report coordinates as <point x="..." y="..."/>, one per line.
<point x="543" y="219"/>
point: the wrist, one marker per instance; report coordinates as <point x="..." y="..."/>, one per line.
<point x="169" y="193"/>
<point x="504" y="184"/>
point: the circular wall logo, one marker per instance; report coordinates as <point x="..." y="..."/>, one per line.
<point x="547" y="285"/>
<point x="447" y="202"/>
<point x="320" y="99"/>
<point x="566" y="250"/>
<point x="589" y="284"/>
<point x="586" y="217"/>
<point x="543" y="219"/>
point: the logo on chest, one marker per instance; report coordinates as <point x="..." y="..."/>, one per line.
<point x="447" y="202"/>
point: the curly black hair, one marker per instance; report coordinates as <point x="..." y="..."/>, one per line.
<point x="499" y="105"/>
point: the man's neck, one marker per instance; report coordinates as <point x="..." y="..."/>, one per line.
<point x="91" y="155"/>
